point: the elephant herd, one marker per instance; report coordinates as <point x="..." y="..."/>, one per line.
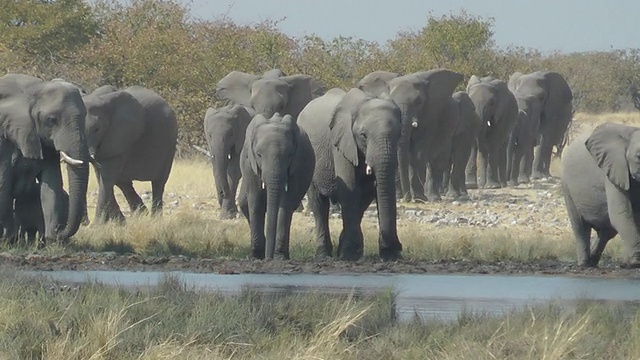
<point x="406" y="136"/>
<point x="127" y="134"/>
<point x="392" y="136"/>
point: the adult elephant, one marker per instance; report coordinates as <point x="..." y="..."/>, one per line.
<point x="523" y="139"/>
<point x="43" y="122"/>
<point x="555" y="97"/>
<point x="355" y="138"/>
<point x="429" y="119"/>
<point x="224" y="130"/>
<point x="132" y="135"/>
<point x="464" y="139"/>
<point x="498" y="111"/>
<point x="277" y="163"/>
<point x="601" y="187"/>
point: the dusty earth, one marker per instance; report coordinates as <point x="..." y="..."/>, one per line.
<point x="528" y="207"/>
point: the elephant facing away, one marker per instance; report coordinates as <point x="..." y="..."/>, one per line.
<point x="355" y="138"/>
<point x="523" y="139"/>
<point x="555" y="97"/>
<point x="464" y="138"/>
<point x="277" y="163"/>
<point x="601" y="187"/>
<point x="43" y="122"/>
<point x="224" y="130"/>
<point x="498" y="111"/>
<point x="429" y="119"/>
<point x="132" y="135"/>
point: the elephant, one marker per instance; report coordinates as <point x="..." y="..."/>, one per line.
<point x="267" y="94"/>
<point x="464" y="138"/>
<point x="225" y="130"/>
<point x="29" y="219"/>
<point x="276" y="163"/>
<point x="601" y="187"/>
<point x="131" y="135"/>
<point x="355" y="137"/>
<point x="498" y="111"/>
<point x="523" y="140"/>
<point x="429" y="119"/>
<point x="555" y="97"/>
<point x="42" y="122"/>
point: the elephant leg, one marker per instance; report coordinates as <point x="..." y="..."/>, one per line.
<point x="581" y="232"/>
<point x="434" y="178"/>
<point x="107" y="208"/>
<point x="471" y="168"/>
<point x="624" y="221"/>
<point x="6" y="209"/>
<point x="604" y="235"/>
<point x="157" y="191"/>
<point x="525" y="166"/>
<point x="228" y="203"/>
<point x="541" y="158"/>
<point x="51" y="195"/>
<point x="319" y="205"/>
<point x="136" y="205"/>
<point x="256" y="209"/>
<point x="283" y="231"/>
<point x="417" y="175"/>
<point x="355" y="203"/>
<point x="457" y="183"/>
<point x="492" y="165"/>
<point x="502" y="165"/>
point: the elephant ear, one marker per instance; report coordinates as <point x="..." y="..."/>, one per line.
<point x="17" y="126"/>
<point x="473" y="80"/>
<point x="273" y="74"/>
<point x="250" y="137"/>
<point x="608" y="146"/>
<point x="341" y="124"/>
<point x="377" y="82"/>
<point x="298" y="155"/>
<point x="442" y="84"/>
<point x="317" y="89"/>
<point x="513" y="81"/>
<point x="235" y="88"/>
<point x="299" y="93"/>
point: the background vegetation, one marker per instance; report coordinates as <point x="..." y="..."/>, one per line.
<point x="158" y="44"/>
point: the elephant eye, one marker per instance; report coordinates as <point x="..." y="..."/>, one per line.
<point x="51" y="121"/>
<point x="363" y="135"/>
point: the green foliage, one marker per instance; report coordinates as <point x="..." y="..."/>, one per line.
<point x="158" y="45"/>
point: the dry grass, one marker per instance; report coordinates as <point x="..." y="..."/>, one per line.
<point x="38" y="321"/>
<point x="191" y="226"/>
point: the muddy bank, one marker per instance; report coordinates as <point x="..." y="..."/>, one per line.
<point x="112" y="261"/>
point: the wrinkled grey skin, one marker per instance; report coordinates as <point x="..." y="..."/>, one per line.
<point x="224" y="131"/>
<point x="464" y="138"/>
<point x="40" y="119"/>
<point x="277" y="163"/>
<point x="555" y="98"/>
<point x="523" y="139"/>
<point x="429" y="119"/>
<point x="498" y="111"/>
<point x="355" y="138"/>
<point x="132" y="135"/>
<point x="29" y="220"/>
<point x="600" y="183"/>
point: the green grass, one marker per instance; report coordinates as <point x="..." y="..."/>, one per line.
<point x="171" y="322"/>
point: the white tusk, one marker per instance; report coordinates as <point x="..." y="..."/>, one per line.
<point x="286" y="187"/>
<point x="263" y="186"/>
<point x="229" y="156"/>
<point x="369" y="170"/>
<point x="488" y="123"/>
<point x="414" y="124"/>
<point x="69" y="160"/>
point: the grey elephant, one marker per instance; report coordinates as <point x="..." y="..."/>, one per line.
<point x="601" y="187"/>
<point x="132" y="135"/>
<point x="224" y="130"/>
<point x="277" y="163"/>
<point x="29" y="219"/>
<point x="429" y="119"/>
<point x="355" y="138"/>
<point x="523" y="139"/>
<point x="42" y="123"/>
<point x="464" y="139"/>
<point x="498" y="111"/>
<point x="555" y="97"/>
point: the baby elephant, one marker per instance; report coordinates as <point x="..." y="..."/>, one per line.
<point x="601" y="186"/>
<point x="277" y="163"/>
<point x="224" y="130"/>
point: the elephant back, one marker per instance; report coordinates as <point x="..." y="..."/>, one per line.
<point x="377" y="82"/>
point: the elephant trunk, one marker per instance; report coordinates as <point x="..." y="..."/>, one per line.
<point x="275" y="184"/>
<point x="384" y="167"/>
<point x="404" y="152"/>
<point x="74" y="145"/>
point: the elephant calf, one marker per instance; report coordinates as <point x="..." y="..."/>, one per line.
<point x="224" y="130"/>
<point x="601" y="187"/>
<point x="524" y="137"/>
<point x="276" y="163"/>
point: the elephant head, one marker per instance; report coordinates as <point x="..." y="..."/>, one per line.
<point x="490" y="98"/>
<point x="45" y="121"/>
<point x="366" y="131"/>
<point x="268" y="95"/>
<point x="113" y="123"/>
<point x="616" y="150"/>
<point x="377" y="82"/>
<point x="271" y="149"/>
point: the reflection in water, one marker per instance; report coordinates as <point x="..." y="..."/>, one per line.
<point x="442" y="297"/>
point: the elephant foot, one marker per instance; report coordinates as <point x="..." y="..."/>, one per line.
<point x="390" y="255"/>
<point x="419" y="198"/>
<point x="523" y="179"/>
<point x="257" y="254"/>
<point x="350" y="255"/>
<point x="352" y="249"/>
<point x="228" y="215"/>
<point x="492" y="185"/>
<point x="281" y="256"/>
<point x="634" y="261"/>
<point x="512" y="183"/>
<point x="472" y="186"/>
<point x="434" y="197"/>
<point x="324" y="252"/>
<point x="539" y="176"/>
<point x="453" y="194"/>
